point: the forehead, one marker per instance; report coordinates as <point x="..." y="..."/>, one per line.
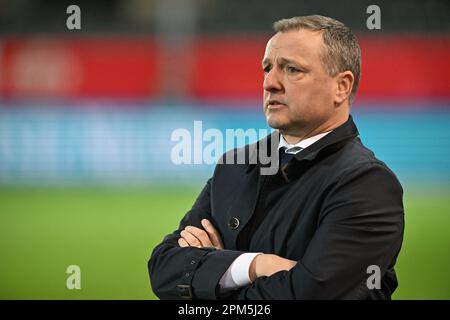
<point x="302" y="44"/>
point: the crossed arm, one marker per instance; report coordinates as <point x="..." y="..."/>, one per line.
<point x="356" y="230"/>
<point x="262" y="264"/>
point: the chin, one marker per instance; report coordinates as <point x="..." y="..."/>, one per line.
<point x="276" y="123"/>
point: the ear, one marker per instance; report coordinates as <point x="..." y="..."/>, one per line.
<point x="344" y="81"/>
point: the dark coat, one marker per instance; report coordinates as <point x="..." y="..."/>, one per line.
<point x="336" y="210"/>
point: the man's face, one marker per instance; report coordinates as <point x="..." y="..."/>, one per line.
<point x="298" y="93"/>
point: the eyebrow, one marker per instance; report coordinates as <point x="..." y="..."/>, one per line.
<point x="265" y="62"/>
<point x="281" y="61"/>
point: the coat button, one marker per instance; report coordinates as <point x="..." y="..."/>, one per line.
<point x="233" y="223"/>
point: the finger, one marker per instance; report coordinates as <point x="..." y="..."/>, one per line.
<point x="191" y="239"/>
<point x="213" y="233"/>
<point x="201" y="235"/>
<point x="182" y="243"/>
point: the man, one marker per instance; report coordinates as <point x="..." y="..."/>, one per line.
<point x="312" y="230"/>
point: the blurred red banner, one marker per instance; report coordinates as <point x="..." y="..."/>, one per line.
<point x="394" y="67"/>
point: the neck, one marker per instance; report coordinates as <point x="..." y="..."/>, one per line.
<point x="296" y="137"/>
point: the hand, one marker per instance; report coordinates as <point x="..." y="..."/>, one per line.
<point x="195" y="237"/>
<point x="268" y="264"/>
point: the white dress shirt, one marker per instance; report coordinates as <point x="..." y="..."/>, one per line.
<point x="237" y="274"/>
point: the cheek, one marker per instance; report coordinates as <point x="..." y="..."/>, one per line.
<point x="301" y="96"/>
<point x="315" y="91"/>
<point x="310" y="99"/>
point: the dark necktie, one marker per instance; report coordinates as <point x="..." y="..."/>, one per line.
<point x="284" y="157"/>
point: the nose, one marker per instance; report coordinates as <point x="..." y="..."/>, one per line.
<point x="272" y="81"/>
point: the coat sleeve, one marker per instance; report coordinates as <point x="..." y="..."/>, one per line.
<point x="361" y="224"/>
<point x="189" y="273"/>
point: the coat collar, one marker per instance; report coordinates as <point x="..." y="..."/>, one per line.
<point x="346" y="131"/>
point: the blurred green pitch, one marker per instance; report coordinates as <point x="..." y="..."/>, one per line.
<point x="111" y="233"/>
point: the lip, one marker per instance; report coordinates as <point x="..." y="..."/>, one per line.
<point x="275" y="104"/>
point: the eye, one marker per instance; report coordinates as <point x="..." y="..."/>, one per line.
<point x="291" y="69"/>
<point x="267" y="69"/>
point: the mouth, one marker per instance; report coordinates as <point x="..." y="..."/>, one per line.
<point x="275" y="105"/>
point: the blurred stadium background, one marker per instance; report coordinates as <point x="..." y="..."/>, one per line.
<point x="86" y="118"/>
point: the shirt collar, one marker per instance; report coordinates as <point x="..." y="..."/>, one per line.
<point x="295" y="148"/>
